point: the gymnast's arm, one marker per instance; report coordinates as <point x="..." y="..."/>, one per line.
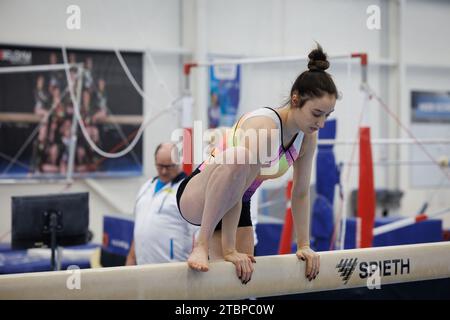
<point x="300" y="204"/>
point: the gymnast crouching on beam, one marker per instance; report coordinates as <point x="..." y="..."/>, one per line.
<point x="217" y="194"/>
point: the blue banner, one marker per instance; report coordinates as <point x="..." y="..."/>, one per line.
<point x="430" y="106"/>
<point x="224" y="95"/>
<point x="117" y="234"/>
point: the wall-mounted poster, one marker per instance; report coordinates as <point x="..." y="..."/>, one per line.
<point x="430" y="106"/>
<point x="224" y="82"/>
<point x="430" y="118"/>
<point x="37" y="113"/>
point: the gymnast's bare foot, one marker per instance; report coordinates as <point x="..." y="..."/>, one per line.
<point x="198" y="259"/>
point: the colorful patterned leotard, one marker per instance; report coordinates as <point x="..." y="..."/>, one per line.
<point x="274" y="168"/>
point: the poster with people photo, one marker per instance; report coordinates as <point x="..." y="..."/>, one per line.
<point x="38" y="138"/>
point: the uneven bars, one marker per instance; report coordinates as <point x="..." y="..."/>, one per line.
<point x="385" y="141"/>
<point x="442" y="163"/>
<point x="276" y="59"/>
<point x="407" y="221"/>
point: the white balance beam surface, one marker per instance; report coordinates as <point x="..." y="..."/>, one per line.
<point x="273" y="276"/>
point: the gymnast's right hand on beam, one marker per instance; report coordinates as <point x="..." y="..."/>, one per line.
<point x="243" y="263"/>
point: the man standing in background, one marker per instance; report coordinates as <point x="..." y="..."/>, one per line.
<point x="160" y="233"/>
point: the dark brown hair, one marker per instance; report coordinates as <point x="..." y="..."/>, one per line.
<point x="314" y="82"/>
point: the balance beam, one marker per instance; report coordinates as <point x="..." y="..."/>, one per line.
<point x="273" y="276"/>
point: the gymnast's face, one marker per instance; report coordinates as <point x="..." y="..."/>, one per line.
<point x="313" y="114"/>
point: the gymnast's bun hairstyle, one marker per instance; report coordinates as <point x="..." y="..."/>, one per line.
<point x="318" y="60"/>
<point x="315" y="82"/>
